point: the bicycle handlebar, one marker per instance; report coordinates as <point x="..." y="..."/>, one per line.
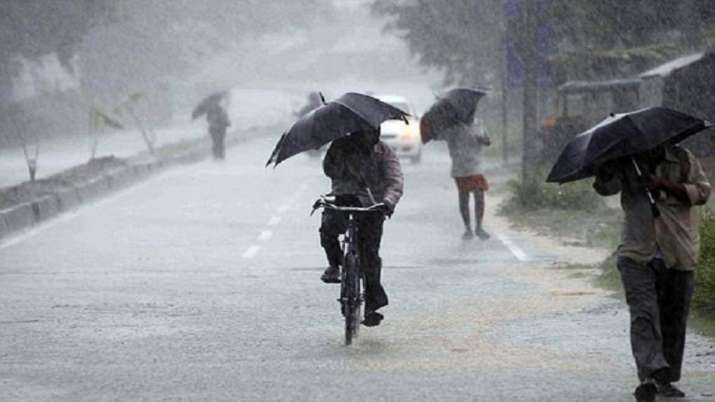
<point x="322" y="202"/>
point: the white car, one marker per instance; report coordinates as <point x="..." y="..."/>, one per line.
<point x="403" y="138"/>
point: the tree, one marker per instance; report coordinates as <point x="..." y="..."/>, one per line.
<point x="576" y="38"/>
<point x="163" y="40"/>
<point x="35" y="28"/>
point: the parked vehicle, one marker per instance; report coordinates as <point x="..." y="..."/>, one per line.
<point x="403" y="138"/>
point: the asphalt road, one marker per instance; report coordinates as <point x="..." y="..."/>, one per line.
<point x="202" y="284"/>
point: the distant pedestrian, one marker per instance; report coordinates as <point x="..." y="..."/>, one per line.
<point x="657" y="257"/>
<point x="465" y="142"/>
<point x="218" y="122"/>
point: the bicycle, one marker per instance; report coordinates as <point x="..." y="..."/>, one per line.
<point x="351" y="293"/>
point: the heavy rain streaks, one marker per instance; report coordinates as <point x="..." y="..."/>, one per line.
<point x="510" y="200"/>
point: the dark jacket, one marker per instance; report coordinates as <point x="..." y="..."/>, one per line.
<point x="352" y="169"/>
<point x="217" y="118"/>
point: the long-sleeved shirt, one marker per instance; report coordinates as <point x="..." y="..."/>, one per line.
<point x="675" y="233"/>
<point x="351" y="170"/>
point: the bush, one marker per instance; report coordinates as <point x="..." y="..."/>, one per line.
<point x="704" y="299"/>
<point x="538" y="194"/>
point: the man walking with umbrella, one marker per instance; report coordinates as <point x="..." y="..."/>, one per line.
<point x="635" y="154"/>
<point x="657" y="257"/>
<point x="218" y="121"/>
<point x="452" y="119"/>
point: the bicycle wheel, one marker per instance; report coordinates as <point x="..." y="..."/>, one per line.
<point x="351" y="298"/>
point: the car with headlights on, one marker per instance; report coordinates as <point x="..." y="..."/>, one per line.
<point x="403" y="137"/>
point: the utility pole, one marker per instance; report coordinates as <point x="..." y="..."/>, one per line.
<point x="504" y="90"/>
<point x="529" y="56"/>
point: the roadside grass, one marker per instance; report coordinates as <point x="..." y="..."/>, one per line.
<point x="572" y="212"/>
<point x="578" y="216"/>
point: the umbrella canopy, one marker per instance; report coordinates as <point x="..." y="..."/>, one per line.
<point x="455" y="107"/>
<point x="622" y="135"/>
<point x="352" y="112"/>
<point x="206" y="104"/>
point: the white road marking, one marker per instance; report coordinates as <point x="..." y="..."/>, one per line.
<point x="516" y="250"/>
<point x="274" y="220"/>
<point x="265" y="235"/>
<point x="251" y="251"/>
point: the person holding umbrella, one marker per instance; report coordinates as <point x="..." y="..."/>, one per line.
<point x="452" y="119"/>
<point x="363" y="171"/>
<point x="217" y="119"/>
<point x="636" y="154"/>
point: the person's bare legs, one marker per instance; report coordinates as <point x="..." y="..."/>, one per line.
<point x="479" y="206"/>
<point x="464" y="211"/>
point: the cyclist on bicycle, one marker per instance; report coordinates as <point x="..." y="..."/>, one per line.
<point x="363" y="171"/>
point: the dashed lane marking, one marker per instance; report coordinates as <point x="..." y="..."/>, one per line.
<point x="265" y="235"/>
<point x="516" y="250"/>
<point x="251" y="251"/>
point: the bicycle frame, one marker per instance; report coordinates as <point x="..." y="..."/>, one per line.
<point x="351" y="295"/>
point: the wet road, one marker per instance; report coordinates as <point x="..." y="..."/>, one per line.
<point x="202" y="284"/>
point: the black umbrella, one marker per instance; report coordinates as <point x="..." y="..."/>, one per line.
<point x="622" y="135"/>
<point x="351" y="112"/>
<point x="208" y="102"/>
<point x="455" y="107"/>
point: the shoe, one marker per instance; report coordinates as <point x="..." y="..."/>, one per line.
<point x="331" y="275"/>
<point x="482" y="234"/>
<point x="645" y="392"/>
<point x="372" y="319"/>
<point x="669" y="390"/>
<point x="468" y="235"/>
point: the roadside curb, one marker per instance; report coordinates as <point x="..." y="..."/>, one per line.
<point x="138" y="168"/>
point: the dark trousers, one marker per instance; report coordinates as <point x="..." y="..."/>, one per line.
<point x="334" y="224"/>
<point x="659" y="300"/>
<point x="218" y="138"/>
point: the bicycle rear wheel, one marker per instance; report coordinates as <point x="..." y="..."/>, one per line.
<point x="352" y="304"/>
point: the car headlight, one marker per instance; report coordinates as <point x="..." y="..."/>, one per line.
<point x="409" y="132"/>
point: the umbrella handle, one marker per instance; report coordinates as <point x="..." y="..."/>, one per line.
<point x="651" y="200"/>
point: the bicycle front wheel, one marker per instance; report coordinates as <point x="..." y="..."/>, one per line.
<point x="352" y="305"/>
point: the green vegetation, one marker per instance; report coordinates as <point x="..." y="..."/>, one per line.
<point x="575" y="212"/>
<point x="704" y="299"/>
<point x="537" y="194"/>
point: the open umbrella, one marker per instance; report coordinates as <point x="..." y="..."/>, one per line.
<point x="622" y="135"/>
<point x="455" y="107"/>
<point x="352" y="112"/>
<point x="206" y="104"/>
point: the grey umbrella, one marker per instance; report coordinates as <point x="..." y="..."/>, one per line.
<point x="350" y="113"/>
